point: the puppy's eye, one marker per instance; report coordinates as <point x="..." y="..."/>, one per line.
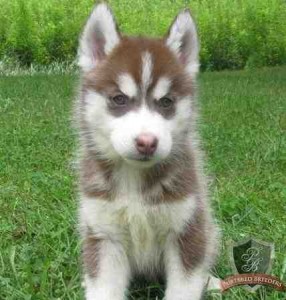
<point x="165" y="102"/>
<point x="120" y="100"/>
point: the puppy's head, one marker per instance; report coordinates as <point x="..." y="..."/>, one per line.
<point x="137" y="92"/>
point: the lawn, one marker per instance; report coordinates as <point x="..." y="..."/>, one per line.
<point x="243" y="126"/>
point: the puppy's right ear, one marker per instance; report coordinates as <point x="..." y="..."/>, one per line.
<point x="183" y="41"/>
<point x="99" y="37"/>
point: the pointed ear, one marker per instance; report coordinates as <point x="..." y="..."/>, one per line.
<point x="183" y="40"/>
<point x="99" y="37"/>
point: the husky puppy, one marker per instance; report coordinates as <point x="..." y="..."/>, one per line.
<point x="143" y="198"/>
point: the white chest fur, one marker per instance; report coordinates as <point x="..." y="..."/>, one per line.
<point x="141" y="228"/>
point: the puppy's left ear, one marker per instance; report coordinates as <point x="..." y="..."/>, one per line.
<point x="182" y="39"/>
<point x="99" y="37"/>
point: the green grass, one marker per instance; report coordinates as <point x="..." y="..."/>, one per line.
<point x="243" y="127"/>
<point x="234" y="33"/>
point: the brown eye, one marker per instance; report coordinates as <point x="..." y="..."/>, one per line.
<point x="120" y="100"/>
<point x="165" y="102"/>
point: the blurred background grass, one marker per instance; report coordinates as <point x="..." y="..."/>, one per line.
<point x="234" y="34"/>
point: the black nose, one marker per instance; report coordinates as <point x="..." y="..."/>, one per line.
<point x="146" y="143"/>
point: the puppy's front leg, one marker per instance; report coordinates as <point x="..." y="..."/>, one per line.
<point x="107" y="269"/>
<point x="183" y="283"/>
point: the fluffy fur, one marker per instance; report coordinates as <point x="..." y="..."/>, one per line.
<point x="141" y="212"/>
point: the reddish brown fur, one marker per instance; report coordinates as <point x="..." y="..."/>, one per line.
<point x="193" y="241"/>
<point x="90" y="166"/>
<point x="90" y="249"/>
<point x="127" y="57"/>
<point x="182" y="180"/>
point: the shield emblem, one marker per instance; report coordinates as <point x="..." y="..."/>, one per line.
<point x="251" y="256"/>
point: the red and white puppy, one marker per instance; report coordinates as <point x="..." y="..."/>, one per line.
<point x="143" y="199"/>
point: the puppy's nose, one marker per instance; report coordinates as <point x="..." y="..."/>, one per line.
<point x="146" y="143"/>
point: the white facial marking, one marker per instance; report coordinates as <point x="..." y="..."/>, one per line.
<point x="115" y="136"/>
<point x="162" y="88"/>
<point x="95" y="106"/>
<point x="183" y="113"/>
<point x="147" y="68"/>
<point x="127" y="85"/>
<point x="126" y="129"/>
<point x="95" y="114"/>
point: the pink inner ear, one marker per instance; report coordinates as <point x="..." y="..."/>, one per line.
<point x="183" y="58"/>
<point x="98" y="48"/>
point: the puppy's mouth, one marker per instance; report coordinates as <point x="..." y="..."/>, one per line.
<point x="141" y="161"/>
<point x="141" y="157"/>
<point x="145" y="158"/>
